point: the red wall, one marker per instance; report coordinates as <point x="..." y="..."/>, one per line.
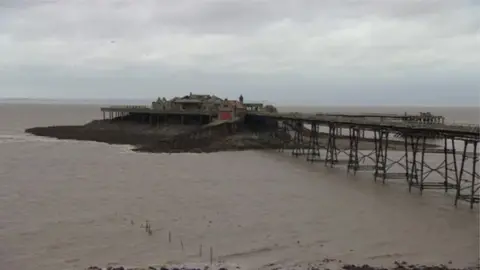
<point x="225" y="116"/>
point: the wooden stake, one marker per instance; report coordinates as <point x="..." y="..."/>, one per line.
<point x="211" y="255"/>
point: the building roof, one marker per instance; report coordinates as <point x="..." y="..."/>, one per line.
<point x="200" y="96"/>
<point x="236" y="103"/>
<point x="182" y="100"/>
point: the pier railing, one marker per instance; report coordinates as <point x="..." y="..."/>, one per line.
<point x="149" y="110"/>
<point x="128" y="107"/>
<point x="468" y="130"/>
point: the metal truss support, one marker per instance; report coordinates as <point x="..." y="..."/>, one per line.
<point x="331" y="156"/>
<point x="284" y="135"/>
<point x="313" y="154"/>
<point x="353" y="160"/>
<point x="299" y="147"/>
<point x="381" y="154"/>
<point x="418" y="170"/>
<point x="415" y="168"/>
<point x="459" y="171"/>
<point x="468" y="183"/>
<point x="447" y="166"/>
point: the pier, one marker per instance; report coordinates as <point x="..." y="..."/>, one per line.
<point x="459" y="172"/>
<point x="459" y="168"/>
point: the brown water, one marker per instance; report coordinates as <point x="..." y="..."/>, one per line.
<point x="68" y="205"/>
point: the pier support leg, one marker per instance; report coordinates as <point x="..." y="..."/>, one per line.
<point x="298" y="139"/>
<point x="314" y="146"/>
<point x="445" y="156"/>
<point x="331" y="156"/>
<point x="468" y="187"/>
<point x="422" y="163"/>
<point x="286" y="137"/>
<point x="416" y="175"/>
<point x="353" y="161"/>
<point x="460" y="174"/>
<point x="473" y="187"/>
<point x="381" y="154"/>
<point x="413" y="173"/>
<point x="474" y="197"/>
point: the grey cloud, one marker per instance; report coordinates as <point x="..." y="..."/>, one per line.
<point x="228" y="16"/>
<point x="268" y="48"/>
<point x="11" y="4"/>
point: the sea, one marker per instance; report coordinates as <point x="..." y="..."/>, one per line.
<point x="71" y="204"/>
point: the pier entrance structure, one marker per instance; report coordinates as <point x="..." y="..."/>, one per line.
<point x="254" y="106"/>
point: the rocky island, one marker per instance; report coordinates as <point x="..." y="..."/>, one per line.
<point x="155" y="140"/>
<point x="192" y="123"/>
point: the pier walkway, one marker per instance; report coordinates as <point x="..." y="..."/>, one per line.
<point x="385" y="122"/>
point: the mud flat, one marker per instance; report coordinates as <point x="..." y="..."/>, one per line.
<point x="319" y="265"/>
<point x="331" y="264"/>
<point x="245" y="141"/>
<point x="116" y="132"/>
<point x="236" y="142"/>
<point x="160" y="139"/>
<point x="168" y="139"/>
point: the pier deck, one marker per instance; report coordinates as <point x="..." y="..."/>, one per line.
<point x="410" y="117"/>
<point x="398" y="126"/>
<point x="147" y="110"/>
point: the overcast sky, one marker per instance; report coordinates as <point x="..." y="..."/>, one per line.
<point x="345" y="52"/>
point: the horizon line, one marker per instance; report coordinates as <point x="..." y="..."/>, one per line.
<point x="79" y="100"/>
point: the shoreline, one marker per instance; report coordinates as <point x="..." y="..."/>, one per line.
<point x="151" y="139"/>
<point x="325" y="264"/>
